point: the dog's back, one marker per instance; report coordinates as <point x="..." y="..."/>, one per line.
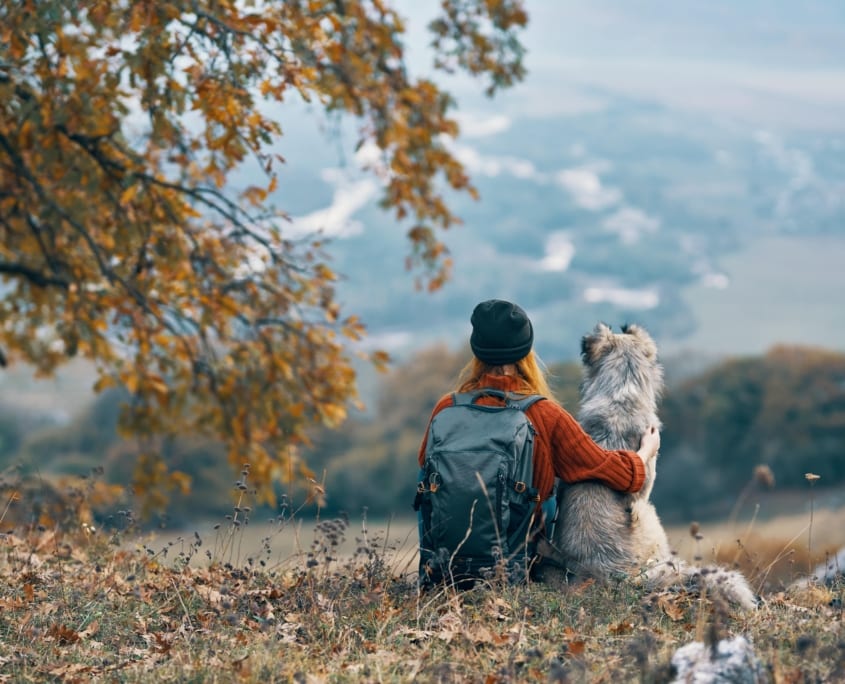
<point x="600" y="532"/>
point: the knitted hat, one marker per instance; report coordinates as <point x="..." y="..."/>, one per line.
<point x="501" y="332"/>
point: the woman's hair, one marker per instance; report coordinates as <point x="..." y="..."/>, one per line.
<point x="530" y="371"/>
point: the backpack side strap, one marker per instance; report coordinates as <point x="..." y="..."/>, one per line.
<point x="524" y="490"/>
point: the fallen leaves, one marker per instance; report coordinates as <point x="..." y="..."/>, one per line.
<point x="623" y="627"/>
<point x="576" y="647"/>
<point x="92" y="628"/>
<point x="133" y="614"/>
<point x="453" y="626"/>
<point x="671" y="607"/>
<point x="62" y="634"/>
<point x="70" y="671"/>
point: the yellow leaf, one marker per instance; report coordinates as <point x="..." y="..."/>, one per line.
<point x="104" y="382"/>
<point x="129" y="194"/>
<point x="158" y="385"/>
<point x="130" y="381"/>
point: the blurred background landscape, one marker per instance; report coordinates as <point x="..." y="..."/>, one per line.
<point x="681" y="166"/>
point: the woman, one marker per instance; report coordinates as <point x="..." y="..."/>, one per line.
<point x="503" y="359"/>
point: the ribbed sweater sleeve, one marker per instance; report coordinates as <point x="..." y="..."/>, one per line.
<point x="575" y="457"/>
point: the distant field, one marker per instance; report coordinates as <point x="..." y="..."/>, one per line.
<point x="774" y="550"/>
<point x="288" y="544"/>
<point x="782" y="290"/>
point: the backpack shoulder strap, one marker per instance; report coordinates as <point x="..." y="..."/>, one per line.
<point x="525" y="402"/>
<point x="469" y="398"/>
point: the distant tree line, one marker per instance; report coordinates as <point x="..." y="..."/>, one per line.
<point x="784" y="410"/>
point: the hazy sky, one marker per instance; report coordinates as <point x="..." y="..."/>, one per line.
<point x="772" y="67"/>
<point x="775" y="62"/>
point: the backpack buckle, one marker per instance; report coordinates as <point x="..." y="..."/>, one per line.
<point x="519" y="487"/>
<point x="434" y="482"/>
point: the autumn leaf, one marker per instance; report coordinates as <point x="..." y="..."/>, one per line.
<point x="92" y="628"/>
<point x="63" y="634"/>
<point x="70" y="671"/>
<point x="671" y="608"/>
<point x="576" y="647"/>
<point x="479" y="634"/>
<point x="623" y="627"/>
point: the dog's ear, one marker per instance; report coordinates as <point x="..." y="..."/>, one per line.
<point x="594" y="345"/>
<point x="642" y="335"/>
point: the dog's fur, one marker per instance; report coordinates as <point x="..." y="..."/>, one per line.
<point x="601" y="533"/>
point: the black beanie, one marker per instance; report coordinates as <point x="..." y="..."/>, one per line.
<point x="501" y="332"/>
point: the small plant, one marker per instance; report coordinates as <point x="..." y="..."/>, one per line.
<point x="811" y="478"/>
<point x="761" y="476"/>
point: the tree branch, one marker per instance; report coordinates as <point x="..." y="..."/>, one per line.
<point x="33" y="275"/>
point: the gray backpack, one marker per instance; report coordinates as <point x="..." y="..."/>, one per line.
<point x="475" y="493"/>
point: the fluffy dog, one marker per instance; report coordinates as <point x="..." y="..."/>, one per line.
<point x="601" y="533"/>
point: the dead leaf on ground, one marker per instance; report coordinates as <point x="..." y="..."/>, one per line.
<point x="479" y="634"/>
<point x="671" y="608"/>
<point x="63" y="634"/>
<point x="214" y="597"/>
<point x="622" y="628"/>
<point x="90" y="630"/>
<point x="414" y="635"/>
<point x="70" y="671"/>
<point x="576" y="647"/>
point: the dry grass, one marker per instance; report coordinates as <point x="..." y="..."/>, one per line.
<point x="771" y="553"/>
<point x="336" y="601"/>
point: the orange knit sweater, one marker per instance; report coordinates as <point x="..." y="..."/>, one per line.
<point x="561" y="446"/>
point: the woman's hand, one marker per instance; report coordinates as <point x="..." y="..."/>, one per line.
<point x="649" y="444"/>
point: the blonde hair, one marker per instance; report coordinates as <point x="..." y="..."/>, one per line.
<point x="530" y="370"/>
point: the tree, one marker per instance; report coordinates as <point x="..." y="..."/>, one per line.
<point x="125" y="241"/>
<point x="784" y="410"/>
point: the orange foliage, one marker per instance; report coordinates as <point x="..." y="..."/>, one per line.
<point x="121" y="239"/>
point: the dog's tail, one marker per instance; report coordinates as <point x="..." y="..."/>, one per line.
<point x="712" y="580"/>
